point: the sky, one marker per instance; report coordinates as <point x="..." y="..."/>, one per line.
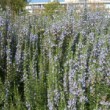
<point x="33" y="1"/>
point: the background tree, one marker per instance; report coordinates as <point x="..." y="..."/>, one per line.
<point x="52" y="7"/>
<point x="15" y="5"/>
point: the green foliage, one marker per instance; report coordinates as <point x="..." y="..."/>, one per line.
<point x="15" y="5"/>
<point x="51" y="8"/>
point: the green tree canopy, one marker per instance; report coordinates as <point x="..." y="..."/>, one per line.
<point x="14" y="5"/>
<point x="51" y="7"/>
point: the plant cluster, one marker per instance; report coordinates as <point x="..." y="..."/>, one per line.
<point x="58" y="64"/>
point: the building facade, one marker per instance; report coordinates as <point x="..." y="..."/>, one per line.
<point x="44" y="1"/>
<point x="39" y="4"/>
<point x="70" y="1"/>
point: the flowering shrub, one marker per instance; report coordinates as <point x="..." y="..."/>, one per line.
<point x="58" y="64"/>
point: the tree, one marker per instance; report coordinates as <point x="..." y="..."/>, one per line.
<point x="14" y="5"/>
<point x="51" y="7"/>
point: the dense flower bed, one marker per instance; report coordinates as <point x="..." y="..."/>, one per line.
<point x="55" y="64"/>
